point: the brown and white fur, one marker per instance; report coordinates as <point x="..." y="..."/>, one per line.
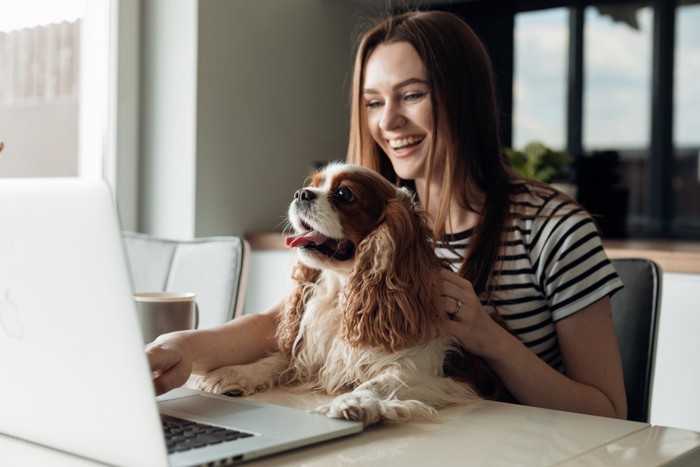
<point x="364" y="321"/>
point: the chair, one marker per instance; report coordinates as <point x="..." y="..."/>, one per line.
<point x="635" y="315"/>
<point x="214" y="268"/>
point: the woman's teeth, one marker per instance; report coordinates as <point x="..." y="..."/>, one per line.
<point x="404" y="142"/>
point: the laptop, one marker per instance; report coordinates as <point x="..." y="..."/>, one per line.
<point x="74" y="371"/>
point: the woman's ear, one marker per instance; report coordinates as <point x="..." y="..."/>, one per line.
<point x="290" y="321"/>
<point x="392" y="296"/>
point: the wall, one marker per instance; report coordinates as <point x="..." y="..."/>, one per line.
<point x="676" y="378"/>
<point x="123" y="172"/>
<point x="168" y="117"/>
<point x="273" y="80"/>
<point x="239" y="99"/>
<point x="269" y="278"/>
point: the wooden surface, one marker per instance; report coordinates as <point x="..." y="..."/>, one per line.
<point x="266" y="240"/>
<point x="672" y="256"/>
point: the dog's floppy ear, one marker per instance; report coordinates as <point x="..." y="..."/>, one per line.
<point x="391" y="299"/>
<point x="290" y="321"/>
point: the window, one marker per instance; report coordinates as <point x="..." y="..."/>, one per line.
<point x="52" y="87"/>
<point x="617" y="114"/>
<point x="686" y="164"/>
<point x="628" y="174"/>
<point x="539" y="87"/>
<point x="617" y="81"/>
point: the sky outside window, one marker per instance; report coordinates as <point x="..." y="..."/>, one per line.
<point x="40" y="87"/>
<point x="19" y="14"/>
<point x="687" y="78"/>
<point x="539" y="84"/>
<point x="617" y="81"/>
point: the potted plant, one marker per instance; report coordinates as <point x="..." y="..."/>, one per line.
<point x="538" y="162"/>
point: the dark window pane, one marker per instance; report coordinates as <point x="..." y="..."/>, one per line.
<point x="616" y="116"/>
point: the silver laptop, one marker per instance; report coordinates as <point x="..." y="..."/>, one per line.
<point x="74" y="372"/>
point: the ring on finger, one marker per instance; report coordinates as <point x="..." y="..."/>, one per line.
<point x="452" y="314"/>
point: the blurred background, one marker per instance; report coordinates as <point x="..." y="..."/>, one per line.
<point x="206" y="115"/>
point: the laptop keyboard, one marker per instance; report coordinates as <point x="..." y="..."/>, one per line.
<point x="183" y="435"/>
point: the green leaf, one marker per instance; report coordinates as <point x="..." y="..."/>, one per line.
<point x="537" y="161"/>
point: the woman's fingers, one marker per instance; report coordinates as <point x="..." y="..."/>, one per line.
<point x="457" y="294"/>
<point x="173" y="378"/>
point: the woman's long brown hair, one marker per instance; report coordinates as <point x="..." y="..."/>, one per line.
<point x="466" y="125"/>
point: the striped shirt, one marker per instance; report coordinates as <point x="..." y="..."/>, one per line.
<point x="551" y="265"/>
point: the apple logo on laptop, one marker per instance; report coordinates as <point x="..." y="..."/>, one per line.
<point x="9" y="317"/>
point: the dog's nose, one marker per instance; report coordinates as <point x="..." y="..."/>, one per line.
<point x="304" y="195"/>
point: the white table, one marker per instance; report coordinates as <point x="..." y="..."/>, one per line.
<point x="676" y="381"/>
<point x="492" y="434"/>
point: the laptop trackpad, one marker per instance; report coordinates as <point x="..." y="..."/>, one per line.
<point x="210" y="407"/>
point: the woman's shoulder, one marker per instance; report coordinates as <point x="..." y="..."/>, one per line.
<point x="533" y="200"/>
<point x="545" y="218"/>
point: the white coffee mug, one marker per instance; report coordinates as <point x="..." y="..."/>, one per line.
<point x="164" y="312"/>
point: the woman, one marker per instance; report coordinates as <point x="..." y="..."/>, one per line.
<point x="424" y="114"/>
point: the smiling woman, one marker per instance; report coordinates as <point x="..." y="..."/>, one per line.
<point x="399" y="112"/>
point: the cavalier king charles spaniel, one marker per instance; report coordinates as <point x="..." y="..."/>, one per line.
<point x="364" y="321"/>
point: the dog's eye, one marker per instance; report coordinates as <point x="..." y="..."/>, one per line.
<point x="344" y="194"/>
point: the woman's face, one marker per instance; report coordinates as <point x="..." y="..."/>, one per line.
<point x="398" y="106"/>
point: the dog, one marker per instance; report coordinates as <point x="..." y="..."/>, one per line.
<point x="364" y="321"/>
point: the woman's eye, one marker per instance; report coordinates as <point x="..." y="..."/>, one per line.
<point x="373" y="104"/>
<point x="344" y="194"/>
<point x="414" y="96"/>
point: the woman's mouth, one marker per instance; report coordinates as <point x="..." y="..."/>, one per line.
<point x="400" y="144"/>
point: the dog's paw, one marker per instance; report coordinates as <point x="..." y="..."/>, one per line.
<point x="367" y="407"/>
<point x="363" y="406"/>
<point x="227" y="380"/>
<point x="244" y="380"/>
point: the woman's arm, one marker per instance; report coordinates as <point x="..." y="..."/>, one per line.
<point x="593" y="383"/>
<point x="174" y="357"/>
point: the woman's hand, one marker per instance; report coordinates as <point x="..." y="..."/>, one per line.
<point x="593" y="383"/>
<point x="174" y="357"/>
<point x="170" y="359"/>
<point x="469" y="321"/>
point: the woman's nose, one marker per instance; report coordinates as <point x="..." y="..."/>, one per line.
<point x="391" y="118"/>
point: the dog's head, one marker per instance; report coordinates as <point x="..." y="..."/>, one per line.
<point x="352" y="221"/>
<point x="338" y="210"/>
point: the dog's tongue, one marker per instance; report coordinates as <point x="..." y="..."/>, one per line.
<point x="311" y="237"/>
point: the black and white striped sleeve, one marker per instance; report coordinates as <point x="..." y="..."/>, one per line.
<point x="570" y="263"/>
